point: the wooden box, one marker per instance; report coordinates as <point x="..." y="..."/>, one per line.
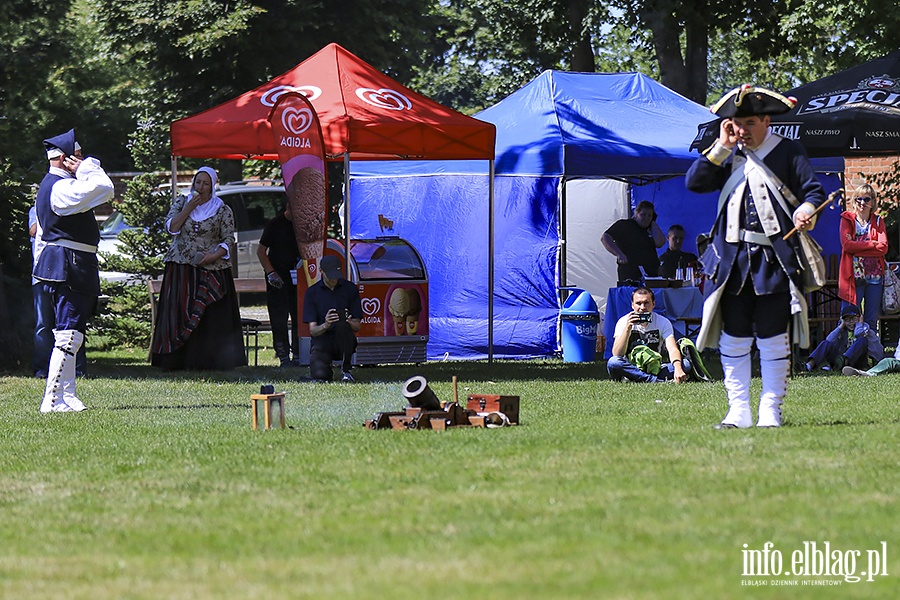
<point x="508" y="405"/>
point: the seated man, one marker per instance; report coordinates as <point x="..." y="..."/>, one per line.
<point x="674" y="257"/>
<point x="851" y="343"/>
<point x="333" y="309"/>
<point x="634" y="242"/>
<point x="643" y="327"/>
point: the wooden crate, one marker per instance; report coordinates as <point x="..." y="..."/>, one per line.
<point x="508" y="405"/>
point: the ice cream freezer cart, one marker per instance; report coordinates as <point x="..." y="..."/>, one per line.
<point x="393" y="289"/>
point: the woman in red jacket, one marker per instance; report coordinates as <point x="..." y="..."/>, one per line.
<point x="863" y="246"/>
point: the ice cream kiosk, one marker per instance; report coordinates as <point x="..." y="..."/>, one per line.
<point x="393" y="289"/>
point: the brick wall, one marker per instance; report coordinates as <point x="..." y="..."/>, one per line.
<point x="859" y="170"/>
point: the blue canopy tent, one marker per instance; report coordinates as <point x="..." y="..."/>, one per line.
<point x="574" y="152"/>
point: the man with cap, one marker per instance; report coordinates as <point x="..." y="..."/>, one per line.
<point x="67" y="266"/>
<point x="851" y="344"/>
<point x="44" y="314"/>
<point x="767" y="188"/>
<point x="333" y="310"/>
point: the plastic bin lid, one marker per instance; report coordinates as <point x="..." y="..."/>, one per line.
<point x="580" y="302"/>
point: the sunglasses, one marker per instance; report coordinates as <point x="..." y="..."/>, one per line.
<point x="863" y="199"/>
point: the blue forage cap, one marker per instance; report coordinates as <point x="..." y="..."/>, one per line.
<point x="61" y="145"/>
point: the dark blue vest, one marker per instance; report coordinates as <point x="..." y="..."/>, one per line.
<point x="81" y="227"/>
<point x="77" y="270"/>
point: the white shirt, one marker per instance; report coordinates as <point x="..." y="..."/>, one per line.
<point x="89" y="188"/>
<point x="654" y="333"/>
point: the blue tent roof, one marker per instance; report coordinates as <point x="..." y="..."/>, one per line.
<point x="622" y="125"/>
<point x="594" y="124"/>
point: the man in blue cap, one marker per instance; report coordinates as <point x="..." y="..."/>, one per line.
<point x="44" y="314"/>
<point x="67" y="266"/>
<point x="767" y="188"/>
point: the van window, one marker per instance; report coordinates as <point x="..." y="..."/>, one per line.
<point x="261" y="207"/>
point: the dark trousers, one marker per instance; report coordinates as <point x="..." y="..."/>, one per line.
<point x="326" y="349"/>
<point x="44" y="323"/>
<point x="282" y="303"/>
<point x="748" y="315"/>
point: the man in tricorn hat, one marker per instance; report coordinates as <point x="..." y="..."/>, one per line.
<point x="67" y="266"/>
<point x="767" y="188"/>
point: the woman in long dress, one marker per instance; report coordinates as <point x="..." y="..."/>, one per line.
<point x="198" y="323"/>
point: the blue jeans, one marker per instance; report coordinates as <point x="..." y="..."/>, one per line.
<point x="44" y="320"/>
<point x="857" y="355"/>
<point x="619" y="367"/>
<point x="868" y="299"/>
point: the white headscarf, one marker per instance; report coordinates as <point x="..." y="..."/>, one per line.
<point x="209" y="208"/>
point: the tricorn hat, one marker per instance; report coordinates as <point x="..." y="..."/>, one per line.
<point x="748" y="101"/>
<point x="61" y="145"/>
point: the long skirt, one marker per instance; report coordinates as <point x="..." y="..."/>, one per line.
<point x="198" y="323"/>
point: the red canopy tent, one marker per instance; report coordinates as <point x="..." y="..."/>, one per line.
<point x="364" y="114"/>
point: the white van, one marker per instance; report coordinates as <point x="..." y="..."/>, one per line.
<point x="253" y="203"/>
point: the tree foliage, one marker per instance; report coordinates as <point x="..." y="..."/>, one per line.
<point x="125" y="321"/>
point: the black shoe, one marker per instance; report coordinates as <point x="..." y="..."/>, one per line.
<point x="346" y="377"/>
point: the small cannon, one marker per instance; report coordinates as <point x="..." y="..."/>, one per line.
<point x="425" y="411"/>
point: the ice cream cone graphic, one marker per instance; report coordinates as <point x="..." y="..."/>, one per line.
<point x="398" y="306"/>
<point x="415" y="307"/>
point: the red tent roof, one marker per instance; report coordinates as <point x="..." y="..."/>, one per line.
<point x="362" y="111"/>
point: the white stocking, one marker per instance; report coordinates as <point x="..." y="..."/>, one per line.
<point x="735" y="352"/>
<point x="61" y="373"/>
<point x="774" y="365"/>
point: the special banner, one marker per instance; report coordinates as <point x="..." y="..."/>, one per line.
<point x="301" y="152"/>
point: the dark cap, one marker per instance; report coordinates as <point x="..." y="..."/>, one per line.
<point x="748" y="101"/>
<point x="64" y="142"/>
<point x="331" y="265"/>
<point x="848" y="310"/>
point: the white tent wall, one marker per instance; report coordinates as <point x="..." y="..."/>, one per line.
<point x="590" y="207"/>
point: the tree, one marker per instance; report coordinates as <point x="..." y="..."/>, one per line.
<point x="126" y="319"/>
<point x="487" y="49"/>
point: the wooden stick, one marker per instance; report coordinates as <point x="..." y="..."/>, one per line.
<point x="455" y="394"/>
<point x="831" y="198"/>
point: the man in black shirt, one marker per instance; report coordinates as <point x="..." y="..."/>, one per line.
<point x="333" y="309"/>
<point x="634" y="242"/>
<point x="278" y="255"/>
<point x="674" y="257"/>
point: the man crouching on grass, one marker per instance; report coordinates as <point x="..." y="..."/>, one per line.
<point x="637" y="344"/>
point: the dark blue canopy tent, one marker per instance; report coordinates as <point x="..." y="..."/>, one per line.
<point x="598" y="141"/>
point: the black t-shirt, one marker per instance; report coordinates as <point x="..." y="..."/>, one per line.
<point x="278" y="237"/>
<point x="319" y="299"/>
<point x="671" y="260"/>
<point x="638" y="245"/>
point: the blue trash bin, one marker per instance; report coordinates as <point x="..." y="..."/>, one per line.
<point x="580" y="319"/>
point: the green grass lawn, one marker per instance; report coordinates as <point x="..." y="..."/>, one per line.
<point x="606" y="490"/>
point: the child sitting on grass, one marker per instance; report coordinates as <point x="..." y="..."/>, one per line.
<point x="850" y="344"/>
